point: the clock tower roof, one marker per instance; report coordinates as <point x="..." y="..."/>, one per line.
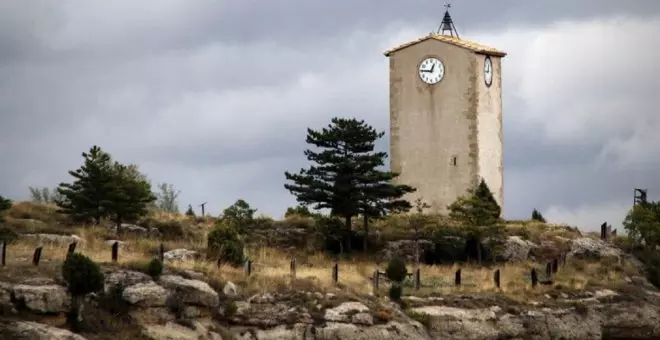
<point x="469" y="45"/>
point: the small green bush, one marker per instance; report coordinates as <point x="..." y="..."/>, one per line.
<point x="155" y="268"/>
<point x="395" y="292"/>
<point x="82" y="275"/>
<point x="225" y="244"/>
<point x="396" y="269"/>
<point x="230" y="308"/>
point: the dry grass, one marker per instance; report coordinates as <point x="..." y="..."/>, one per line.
<point x="271" y="266"/>
<point x="271" y="270"/>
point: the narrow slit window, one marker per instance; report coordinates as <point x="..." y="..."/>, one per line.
<point x="453" y="160"/>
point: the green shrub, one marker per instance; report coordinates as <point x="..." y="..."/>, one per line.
<point x="82" y="275"/>
<point x="225" y="244"/>
<point x="230" y="308"/>
<point x="395" y="292"/>
<point x="155" y="268"/>
<point x="396" y="269"/>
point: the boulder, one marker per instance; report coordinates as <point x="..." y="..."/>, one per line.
<point x="516" y="249"/>
<point x="43" y="299"/>
<point x="27" y="330"/>
<point x="181" y="255"/>
<point x="345" y="311"/>
<point x="53" y="238"/>
<point x="191" y="291"/>
<point x="124" y="278"/>
<point x="147" y="294"/>
<point x="174" y="331"/>
<point x="591" y="249"/>
<point x="391" y="331"/>
<point x="230" y="289"/>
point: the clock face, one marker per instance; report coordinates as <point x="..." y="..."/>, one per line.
<point x="488" y="71"/>
<point x="431" y="70"/>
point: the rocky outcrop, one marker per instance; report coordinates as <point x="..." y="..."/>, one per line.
<point x="592" y="249"/>
<point x="27" y="330"/>
<point x="516" y="249"/>
<point x="53" y="238"/>
<point x="202" y="313"/>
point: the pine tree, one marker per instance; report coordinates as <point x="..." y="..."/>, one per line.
<point x="86" y="198"/>
<point x="536" y="216"/>
<point x="5" y="204"/>
<point x="344" y="176"/>
<point x="479" y="212"/>
<point x="129" y="194"/>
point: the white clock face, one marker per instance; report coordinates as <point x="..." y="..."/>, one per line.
<point x="488" y="71"/>
<point x="431" y="70"/>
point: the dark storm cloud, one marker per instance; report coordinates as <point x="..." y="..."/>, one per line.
<point x="215" y="96"/>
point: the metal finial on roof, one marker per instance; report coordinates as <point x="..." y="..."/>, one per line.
<point x="447" y="24"/>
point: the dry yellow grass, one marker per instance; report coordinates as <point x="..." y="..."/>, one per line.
<point x="271" y="270"/>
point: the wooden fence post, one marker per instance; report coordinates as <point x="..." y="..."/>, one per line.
<point x="555" y="265"/>
<point x="535" y="278"/>
<point x="496" y="278"/>
<point x="37" y="256"/>
<point x="72" y="248"/>
<point x="293" y="268"/>
<point x="248" y="267"/>
<point x="603" y="231"/>
<point x="457" y="277"/>
<point x="115" y="251"/>
<point x="376" y="281"/>
<point x="548" y="269"/>
<point x="418" y="279"/>
<point x="3" y="254"/>
<point x="161" y="253"/>
<point x="335" y="273"/>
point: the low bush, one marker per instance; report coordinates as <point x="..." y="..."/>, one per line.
<point x="224" y="244"/>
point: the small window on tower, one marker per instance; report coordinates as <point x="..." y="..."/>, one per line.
<point x="453" y="160"/>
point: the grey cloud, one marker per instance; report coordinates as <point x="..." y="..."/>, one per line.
<point x="215" y="97"/>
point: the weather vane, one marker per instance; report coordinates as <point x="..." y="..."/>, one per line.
<point x="447" y="24"/>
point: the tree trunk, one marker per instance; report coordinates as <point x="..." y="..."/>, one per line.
<point x="75" y="316"/>
<point x="478" y="239"/>
<point x="347" y="237"/>
<point x="118" y="222"/>
<point x="366" y="234"/>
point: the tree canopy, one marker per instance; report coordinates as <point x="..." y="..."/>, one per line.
<point x="344" y="176"/>
<point x="105" y="189"/>
<point x="5" y="204"/>
<point x="479" y="213"/>
<point x="643" y="224"/>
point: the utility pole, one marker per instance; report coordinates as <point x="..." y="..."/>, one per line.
<point x="202" y="205"/>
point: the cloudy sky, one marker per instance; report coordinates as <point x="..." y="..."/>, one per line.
<point x="214" y="96"/>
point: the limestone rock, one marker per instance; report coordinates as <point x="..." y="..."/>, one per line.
<point x="124" y="278"/>
<point x="191" y="291"/>
<point x="390" y="331"/>
<point x="181" y="255"/>
<point x="147" y="294"/>
<point x="27" y="330"/>
<point x="174" y="331"/>
<point x="54" y="238"/>
<point x="592" y="249"/>
<point x="345" y="311"/>
<point x="516" y="249"/>
<point x="43" y="299"/>
<point x="230" y="289"/>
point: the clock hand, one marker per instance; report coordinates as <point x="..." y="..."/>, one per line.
<point x="432" y="67"/>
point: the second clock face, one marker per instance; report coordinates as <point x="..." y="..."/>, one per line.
<point x="488" y="71"/>
<point x="431" y="70"/>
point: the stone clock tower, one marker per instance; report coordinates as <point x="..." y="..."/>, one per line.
<point x="446" y="117"/>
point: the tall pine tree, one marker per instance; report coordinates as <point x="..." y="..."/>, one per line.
<point x="86" y="198"/>
<point x="479" y="212"/>
<point x="344" y="176"/>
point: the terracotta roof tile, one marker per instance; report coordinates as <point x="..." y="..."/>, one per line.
<point x="472" y="46"/>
